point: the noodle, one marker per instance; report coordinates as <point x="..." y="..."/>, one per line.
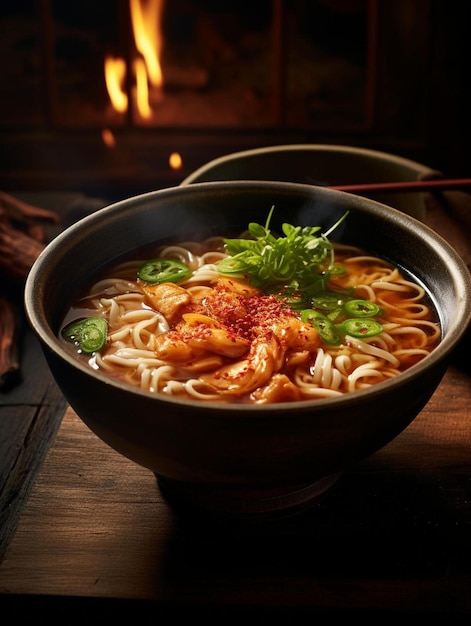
<point x="219" y="340"/>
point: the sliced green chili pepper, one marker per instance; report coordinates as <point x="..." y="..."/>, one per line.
<point x="297" y="304"/>
<point x="337" y="269"/>
<point x="361" y="327"/>
<point x="328" y="301"/>
<point x="324" y="326"/>
<point x="361" y="308"/>
<point x="163" y="271"/>
<point x="89" y="334"/>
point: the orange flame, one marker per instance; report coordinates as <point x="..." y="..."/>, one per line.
<point x="115" y="73"/>
<point x="146" y="17"/>
<point x="142" y="89"/>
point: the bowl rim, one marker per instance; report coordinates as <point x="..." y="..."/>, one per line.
<point x="37" y="319"/>
<point x="379" y="155"/>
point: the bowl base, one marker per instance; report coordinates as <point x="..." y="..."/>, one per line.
<point x="236" y="502"/>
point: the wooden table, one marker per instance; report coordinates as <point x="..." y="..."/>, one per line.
<point x="86" y="535"/>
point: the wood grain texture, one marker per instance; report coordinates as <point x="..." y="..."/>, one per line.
<point x="32" y="408"/>
<point x="30" y="415"/>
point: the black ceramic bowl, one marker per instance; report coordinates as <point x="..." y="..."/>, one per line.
<point x="244" y="459"/>
<point x="322" y="165"/>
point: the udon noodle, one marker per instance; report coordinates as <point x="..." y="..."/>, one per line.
<point x="219" y="339"/>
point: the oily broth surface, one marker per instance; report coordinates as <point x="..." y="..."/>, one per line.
<point x="411" y="332"/>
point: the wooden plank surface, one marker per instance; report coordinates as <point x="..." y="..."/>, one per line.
<point x="30" y="415"/>
<point x="32" y="409"/>
<point x="394" y="534"/>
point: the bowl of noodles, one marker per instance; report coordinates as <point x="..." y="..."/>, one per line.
<point x="248" y="341"/>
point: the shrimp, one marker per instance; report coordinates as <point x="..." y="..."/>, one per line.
<point x="265" y="358"/>
<point x="262" y="350"/>
<point x="167" y="298"/>
<point x="195" y="337"/>
<point x="278" y="389"/>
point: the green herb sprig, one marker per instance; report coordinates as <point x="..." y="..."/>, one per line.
<point x="297" y="265"/>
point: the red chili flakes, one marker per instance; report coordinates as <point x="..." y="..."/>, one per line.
<point x="247" y="316"/>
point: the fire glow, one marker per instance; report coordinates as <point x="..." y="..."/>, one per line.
<point x="146" y="19"/>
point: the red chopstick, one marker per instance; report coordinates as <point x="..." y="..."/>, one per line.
<point x="413" y="185"/>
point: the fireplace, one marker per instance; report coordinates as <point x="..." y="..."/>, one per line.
<point x="83" y="107"/>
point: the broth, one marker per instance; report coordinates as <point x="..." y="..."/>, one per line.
<point x="219" y="338"/>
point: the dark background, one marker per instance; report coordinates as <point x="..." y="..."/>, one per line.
<point x="415" y="100"/>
